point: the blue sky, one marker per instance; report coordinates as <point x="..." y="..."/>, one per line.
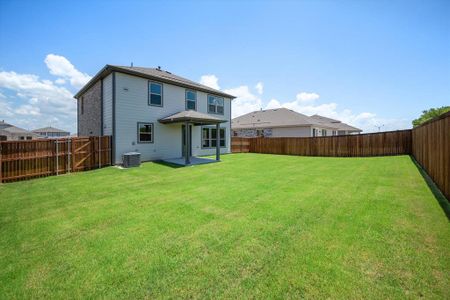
<point x="366" y="62"/>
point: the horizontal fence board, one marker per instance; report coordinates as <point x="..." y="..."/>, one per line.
<point x="20" y="160"/>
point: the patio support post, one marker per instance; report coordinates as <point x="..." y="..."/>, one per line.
<point x="187" y="143"/>
<point x="217" y="141"/>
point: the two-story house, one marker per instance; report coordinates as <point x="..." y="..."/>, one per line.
<point x="147" y="110"/>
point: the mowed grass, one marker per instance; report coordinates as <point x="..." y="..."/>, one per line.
<point x="252" y="226"/>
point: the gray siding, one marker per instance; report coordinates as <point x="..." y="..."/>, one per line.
<point x="89" y="122"/>
<point x="107" y="105"/>
<point x="132" y="107"/>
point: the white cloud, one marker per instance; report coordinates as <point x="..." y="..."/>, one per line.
<point x="367" y="121"/>
<point x="32" y="102"/>
<point x="60" y="66"/>
<point x="210" y="80"/>
<point x="259" y="88"/>
<point x="6" y="110"/>
<point x="60" y="81"/>
<point x="28" y="110"/>
<point x="245" y="101"/>
<point x="305" y="97"/>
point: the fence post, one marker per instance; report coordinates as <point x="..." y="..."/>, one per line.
<point x="1" y="165"/>
<point x="57" y="157"/>
<point x="68" y="155"/>
<point x="99" y="153"/>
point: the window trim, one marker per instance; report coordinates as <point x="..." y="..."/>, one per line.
<point x="211" y="127"/>
<point x="186" y="99"/>
<point x="207" y="103"/>
<point x="149" y="91"/>
<point x="139" y="133"/>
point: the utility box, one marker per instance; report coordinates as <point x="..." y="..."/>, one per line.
<point x="131" y="159"/>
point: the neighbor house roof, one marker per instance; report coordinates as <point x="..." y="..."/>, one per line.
<point x="279" y="117"/>
<point x="335" y="123"/>
<point x="49" y="129"/>
<point x="11" y="129"/>
<point x="152" y="74"/>
<point x="191" y="116"/>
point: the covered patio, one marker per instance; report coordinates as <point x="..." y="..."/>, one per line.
<point x="193" y="118"/>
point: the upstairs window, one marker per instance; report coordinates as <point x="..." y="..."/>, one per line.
<point x="145" y="132"/>
<point x="155" y="96"/>
<point x="215" y="105"/>
<point x="191" y="100"/>
<point x="209" y="136"/>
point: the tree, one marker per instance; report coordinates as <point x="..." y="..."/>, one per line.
<point x="430" y="114"/>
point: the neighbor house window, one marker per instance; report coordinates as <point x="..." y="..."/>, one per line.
<point x="155" y="96"/>
<point x="314" y="132"/>
<point x="145" y="132"/>
<point x="29" y="137"/>
<point x="191" y="100"/>
<point x="215" y="104"/>
<point x="324" y="132"/>
<point x="82" y="105"/>
<point x="209" y="137"/>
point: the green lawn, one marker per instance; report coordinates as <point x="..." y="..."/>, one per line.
<point x="252" y="226"/>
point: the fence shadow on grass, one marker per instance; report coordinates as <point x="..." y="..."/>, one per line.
<point x="443" y="202"/>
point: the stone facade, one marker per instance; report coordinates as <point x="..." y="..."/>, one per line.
<point x="266" y="132"/>
<point x="89" y="116"/>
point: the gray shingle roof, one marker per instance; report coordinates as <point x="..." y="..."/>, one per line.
<point x="279" y="117"/>
<point x="153" y="74"/>
<point x="8" y="128"/>
<point x="49" y="129"/>
<point x="336" y="123"/>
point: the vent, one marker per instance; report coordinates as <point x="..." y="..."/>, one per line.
<point x="131" y="159"/>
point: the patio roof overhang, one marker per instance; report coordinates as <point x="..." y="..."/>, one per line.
<point x="191" y="116"/>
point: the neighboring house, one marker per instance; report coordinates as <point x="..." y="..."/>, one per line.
<point x="148" y="109"/>
<point x="342" y="128"/>
<point x="283" y="122"/>
<point x="51" y="132"/>
<point x="10" y="132"/>
<point x="279" y="122"/>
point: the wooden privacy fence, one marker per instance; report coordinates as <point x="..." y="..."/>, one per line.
<point x="20" y="160"/>
<point x="372" y="144"/>
<point x="431" y="149"/>
<point x="429" y="144"/>
<point x="239" y="145"/>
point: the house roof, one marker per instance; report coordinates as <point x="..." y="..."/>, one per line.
<point x="324" y="119"/>
<point x="191" y="116"/>
<point x="3" y="124"/>
<point x="152" y="74"/>
<point x="335" y="123"/>
<point x="49" y="129"/>
<point x="11" y="129"/>
<point x="279" y="117"/>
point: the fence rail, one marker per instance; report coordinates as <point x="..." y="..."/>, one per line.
<point x="20" y="160"/>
